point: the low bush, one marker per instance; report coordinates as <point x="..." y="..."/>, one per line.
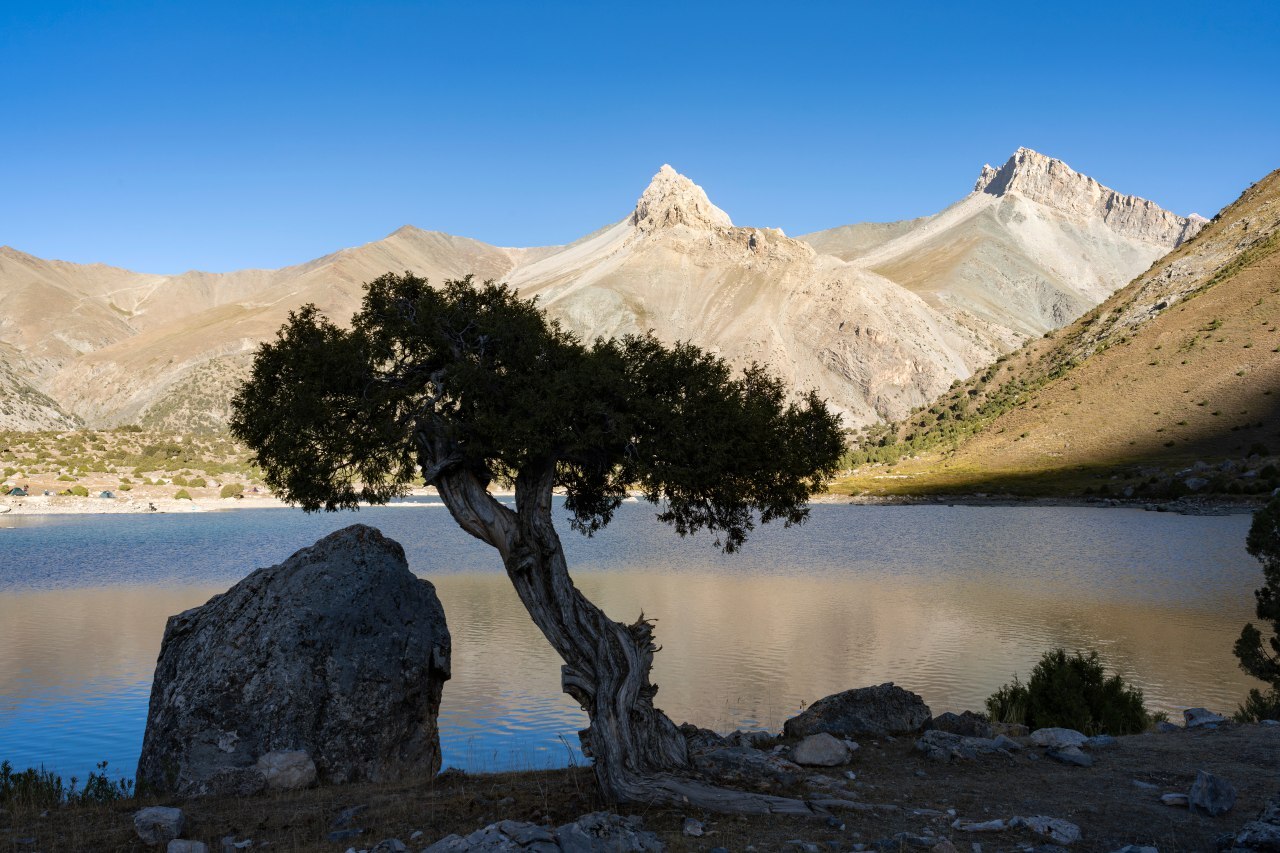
<point x="1259" y="706"/>
<point x="43" y="789"/>
<point x="77" y="492"/>
<point x="197" y="482"/>
<point x="231" y="490"/>
<point x="1071" y="691"/>
<point x="182" y="495"/>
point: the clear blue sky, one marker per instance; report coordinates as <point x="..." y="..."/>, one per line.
<point x="218" y="135"/>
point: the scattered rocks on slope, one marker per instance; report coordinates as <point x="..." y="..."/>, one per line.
<point x="1054" y="828"/>
<point x="1211" y="795"/>
<point x="158" y="824"/>
<point x="862" y="712"/>
<point x="1070" y="755"/>
<point x="938" y="745"/>
<point x="598" y="832"/>
<point x="340" y="651"/>
<point x="185" y="845"/>
<point x="741" y="766"/>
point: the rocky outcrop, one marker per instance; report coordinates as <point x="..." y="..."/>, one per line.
<point x="672" y="199"/>
<point x="1055" y="184"/>
<point x="862" y="712"/>
<point x="329" y="665"/>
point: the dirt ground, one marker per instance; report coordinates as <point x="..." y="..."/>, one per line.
<point x="897" y="789"/>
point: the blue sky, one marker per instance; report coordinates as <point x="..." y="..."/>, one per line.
<point x="169" y="136"/>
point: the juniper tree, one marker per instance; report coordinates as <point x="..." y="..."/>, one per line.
<point x="468" y="385"/>
<point x="1258" y="658"/>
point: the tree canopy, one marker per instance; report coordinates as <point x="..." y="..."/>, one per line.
<point x="473" y="377"/>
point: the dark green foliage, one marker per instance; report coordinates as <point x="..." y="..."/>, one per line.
<point x="182" y="495"/>
<point x="1258" y="658"/>
<point x="42" y="789"/>
<point x="475" y="378"/>
<point x="1259" y="706"/>
<point x="1072" y="692"/>
<point x="231" y="490"/>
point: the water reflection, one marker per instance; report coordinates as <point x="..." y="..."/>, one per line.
<point x="948" y="602"/>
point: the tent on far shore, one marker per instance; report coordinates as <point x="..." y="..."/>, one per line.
<point x="107" y="495"/>
<point x="17" y="492"/>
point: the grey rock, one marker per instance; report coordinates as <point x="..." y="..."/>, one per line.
<point x="938" y="745"/>
<point x="1269" y="722"/>
<point x="339" y="651"/>
<point x="598" y="832"/>
<point x="1174" y="799"/>
<point x="820" y="750"/>
<point x="862" y="712"/>
<point x="389" y="845"/>
<point x="1071" y="755"/>
<point x="1054" y="828"/>
<point x="1101" y="742"/>
<point x="692" y="827"/>
<point x="967" y="724"/>
<point x="185" y="845"/>
<point x="157" y="825"/>
<point x="742" y="765"/>
<point x="1198" y="717"/>
<point x="1260" y="835"/>
<point x="287" y="770"/>
<point x="1211" y="795"/>
<point x="752" y="738"/>
<point x="1134" y="848"/>
<point x="1166" y="727"/>
<point x="996" y="825"/>
<point x="1057" y="738"/>
<point x="805" y="846"/>
<point x="347" y="817"/>
<point x="701" y="740"/>
<point x="1195" y="484"/>
<point x="1006" y="742"/>
<point x="345" y="834"/>
<point x="1146" y="786"/>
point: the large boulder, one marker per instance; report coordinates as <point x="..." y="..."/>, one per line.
<point x="863" y="712"/>
<point x="335" y="657"/>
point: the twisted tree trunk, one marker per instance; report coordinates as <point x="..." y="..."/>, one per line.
<point x="638" y="753"/>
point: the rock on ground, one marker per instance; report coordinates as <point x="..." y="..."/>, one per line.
<point x="820" y="750"/>
<point x="158" y="824"/>
<point x="598" y="832"/>
<point x="1056" y="829"/>
<point x="967" y="724"/>
<point x="1261" y="835"/>
<point x="1056" y="738"/>
<point x="938" y="745"/>
<point x="1197" y="717"/>
<point x="1211" y="795"/>
<point x="183" y="845"/>
<point x="340" y="651"/>
<point x="287" y="770"/>
<point x="863" y="712"/>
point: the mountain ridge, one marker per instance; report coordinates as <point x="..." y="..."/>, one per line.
<point x="109" y="346"/>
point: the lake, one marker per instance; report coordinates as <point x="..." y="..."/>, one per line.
<point x="946" y="601"/>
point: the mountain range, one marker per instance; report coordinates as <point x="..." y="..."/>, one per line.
<point x="879" y="318"/>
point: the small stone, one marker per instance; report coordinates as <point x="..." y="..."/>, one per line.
<point x="1211" y="795"/>
<point x="692" y="827"/>
<point x="184" y="845"/>
<point x="1166" y="727"/>
<point x="921" y="774"/>
<point x="347" y="816"/>
<point x="1006" y="742"/>
<point x="1199" y="717"/>
<point x="1269" y="722"/>
<point x="1134" y="848"/>
<point x="1174" y="799"/>
<point x="996" y="825"/>
<point x="1058" y="738"/>
<point x="1146" y="786"/>
<point x="157" y="825"/>
<point x="1101" y="742"/>
<point x="415" y="835"/>
<point x="850" y="775"/>
<point x="719" y="850"/>
<point x="836" y="824"/>
<point x="820" y="750"/>
<point x="1054" y="828"/>
<point x="389" y="845"/>
<point x="1071" y="755"/>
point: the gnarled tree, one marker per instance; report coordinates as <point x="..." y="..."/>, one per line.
<point x="1259" y="656"/>
<point x="470" y="385"/>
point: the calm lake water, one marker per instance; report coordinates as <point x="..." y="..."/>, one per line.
<point x="946" y="601"/>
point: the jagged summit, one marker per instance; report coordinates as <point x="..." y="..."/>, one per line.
<point x="672" y="199"/>
<point x="1053" y="183"/>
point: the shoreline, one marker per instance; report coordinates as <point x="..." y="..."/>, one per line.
<point x="146" y="505"/>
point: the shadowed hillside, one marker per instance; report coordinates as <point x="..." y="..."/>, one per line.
<point x="1171" y="386"/>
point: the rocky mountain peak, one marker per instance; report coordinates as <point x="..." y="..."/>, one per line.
<point x="672" y="199"/>
<point x="1054" y="184"/>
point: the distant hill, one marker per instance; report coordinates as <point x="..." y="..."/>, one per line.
<point x="879" y="319"/>
<point x="1170" y="386"/>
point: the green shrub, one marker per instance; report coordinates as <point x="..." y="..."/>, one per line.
<point x="77" y="492"/>
<point x="1259" y="706"/>
<point x="231" y="490"/>
<point x="66" y="478"/>
<point x="180" y="481"/>
<point x="1072" y="692"/>
<point x="182" y="495"/>
<point x="42" y="789"/>
<point x="197" y="482"/>
<point x="1259" y="655"/>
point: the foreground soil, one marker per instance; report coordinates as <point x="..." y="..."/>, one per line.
<point x="898" y="791"/>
